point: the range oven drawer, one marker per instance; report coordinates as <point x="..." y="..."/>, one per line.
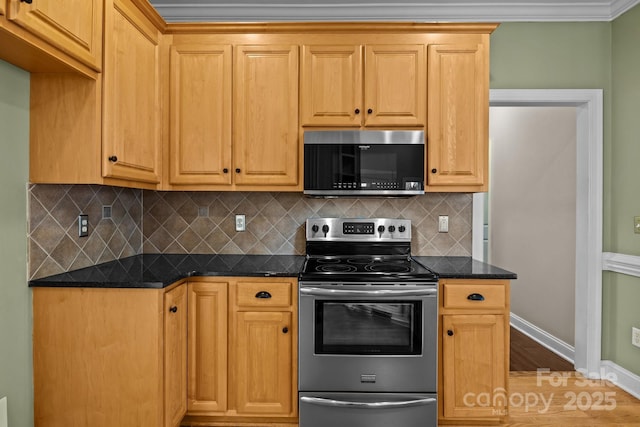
<point x="368" y="410"/>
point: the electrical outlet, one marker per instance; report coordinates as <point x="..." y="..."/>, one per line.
<point x="635" y="336"/>
<point x="240" y="223"/>
<point x="83" y="225"/>
<point x="636" y="224"/>
<point x="443" y="224"/>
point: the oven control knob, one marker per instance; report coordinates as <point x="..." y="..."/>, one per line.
<point x="381" y="229"/>
<point x="392" y="228"/>
<point x="401" y="228"/>
<point x="325" y="229"/>
<point x="315" y="228"/>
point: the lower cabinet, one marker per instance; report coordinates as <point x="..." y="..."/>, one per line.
<point x="242" y="350"/>
<point x="474" y="351"/>
<point x="109" y="357"/>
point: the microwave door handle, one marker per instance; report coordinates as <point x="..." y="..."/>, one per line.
<point x="366" y="405"/>
<point x="370" y="293"/>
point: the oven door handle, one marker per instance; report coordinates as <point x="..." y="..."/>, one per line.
<point x="366" y="405"/>
<point x="370" y="293"/>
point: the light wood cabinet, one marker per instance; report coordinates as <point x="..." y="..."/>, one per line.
<point x="109" y="357"/>
<point x="263" y="380"/>
<point x="393" y="78"/>
<point x="200" y="115"/>
<point x="458" y="117"/>
<point x="266" y="151"/>
<point x="131" y="112"/>
<point x="208" y="347"/>
<point x="73" y="26"/>
<point x="175" y="355"/>
<point x="474" y="350"/>
<point x="258" y="380"/>
<point x="78" y="123"/>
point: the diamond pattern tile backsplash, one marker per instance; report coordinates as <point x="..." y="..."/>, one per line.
<point x="204" y="222"/>
<point x="54" y="245"/>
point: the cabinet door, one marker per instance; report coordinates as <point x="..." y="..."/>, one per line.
<point x="200" y="142"/>
<point x="207" y="342"/>
<point x="473" y="366"/>
<point x="331" y="85"/>
<point x="458" y="116"/>
<point x="175" y="355"/>
<point x="263" y="361"/>
<point x="265" y="148"/>
<point x="395" y="85"/>
<point x="131" y="116"/>
<point x="73" y="26"/>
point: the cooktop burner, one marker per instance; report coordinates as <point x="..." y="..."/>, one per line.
<point x="372" y="249"/>
<point x="356" y="268"/>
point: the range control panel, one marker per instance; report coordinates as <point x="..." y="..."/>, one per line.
<point x="358" y="229"/>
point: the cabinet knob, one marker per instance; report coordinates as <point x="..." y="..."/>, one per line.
<point x="173" y="309"/>
<point x="237" y="170"/>
<point x="225" y="170"/>
<point x="450" y="332"/>
<point x="369" y="111"/>
<point x="113" y="159"/>
<point x="26" y="1"/>
<point x="285" y="330"/>
<point x="476" y="297"/>
<point x="357" y="111"/>
<point x="263" y="295"/>
<point x="434" y="170"/>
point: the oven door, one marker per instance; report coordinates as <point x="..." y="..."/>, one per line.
<point x="367" y="338"/>
<point x="368" y="410"/>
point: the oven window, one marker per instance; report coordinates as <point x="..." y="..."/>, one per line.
<point x="368" y="327"/>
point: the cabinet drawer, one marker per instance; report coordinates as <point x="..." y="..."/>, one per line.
<point x="474" y="296"/>
<point x="263" y="294"/>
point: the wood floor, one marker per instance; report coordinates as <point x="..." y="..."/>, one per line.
<point x="560" y="396"/>
<point x="528" y="355"/>
<point x="556" y="399"/>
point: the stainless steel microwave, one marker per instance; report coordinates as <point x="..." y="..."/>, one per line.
<point x="364" y="163"/>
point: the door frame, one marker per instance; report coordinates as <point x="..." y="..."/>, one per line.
<point x="589" y="215"/>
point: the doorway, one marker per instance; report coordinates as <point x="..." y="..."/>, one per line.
<point x="588" y="219"/>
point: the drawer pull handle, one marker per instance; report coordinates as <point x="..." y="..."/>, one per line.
<point x="475" y="297"/>
<point x="263" y="295"/>
<point x="450" y="332"/>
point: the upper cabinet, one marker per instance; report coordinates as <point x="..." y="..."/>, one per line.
<point x="265" y="146"/>
<point x="200" y="115"/>
<point x="103" y="129"/>
<point x="131" y="112"/>
<point x="370" y="85"/>
<point x="458" y="117"/>
<point x="73" y="26"/>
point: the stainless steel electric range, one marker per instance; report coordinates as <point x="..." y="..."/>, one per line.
<point x="368" y="327"/>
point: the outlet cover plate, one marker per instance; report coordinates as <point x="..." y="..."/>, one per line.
<point x="240" y="223"/>
<point x="635" y="336"/>
<point x="443" y="224"/>
<point x="636" y="224"/>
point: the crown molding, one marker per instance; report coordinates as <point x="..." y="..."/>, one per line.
<point x="512" y="11"/>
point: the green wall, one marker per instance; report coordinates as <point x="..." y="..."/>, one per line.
<point x="590" y="55"/>
<point x="15" y="296"/>
<point x="622" y="292"/>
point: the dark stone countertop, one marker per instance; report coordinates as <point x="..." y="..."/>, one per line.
<point x="460" y="267"/>
<point x="156" y="271"/>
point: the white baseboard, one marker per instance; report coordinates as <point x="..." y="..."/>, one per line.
<point x="628" y="381"/>
<point x="544" y="338"/>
